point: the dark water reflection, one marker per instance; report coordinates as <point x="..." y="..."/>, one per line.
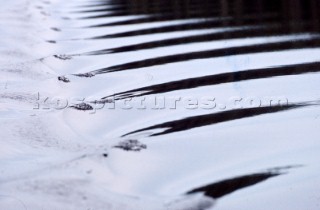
<point x="242" y="20"/>
<point x="211" y="119"/>
<point x="235" y="11"/>
<point x="248" y="19"/>
<point x="219" y="79"/>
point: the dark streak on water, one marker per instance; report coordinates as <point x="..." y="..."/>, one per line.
<point x="220" y="79"/>
<point x="225" y="187"/>
<point x="262" y="48"/>
<point x="271" y="30"/>
<point x="228" y="186"/>
<point x="211" y="119"/>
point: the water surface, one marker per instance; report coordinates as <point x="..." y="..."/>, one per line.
<point x="118" y="104"/>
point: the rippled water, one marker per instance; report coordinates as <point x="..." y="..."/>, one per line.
<point x="163" y="104"/>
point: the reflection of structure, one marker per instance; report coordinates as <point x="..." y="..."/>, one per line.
<point x="245" y="18"/>
<point x="230" y="7"/>
<point x="294" y="15"/>
<point x="282" y="11"/>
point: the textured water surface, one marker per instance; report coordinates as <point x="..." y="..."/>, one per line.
<point x="163" y="104"/>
